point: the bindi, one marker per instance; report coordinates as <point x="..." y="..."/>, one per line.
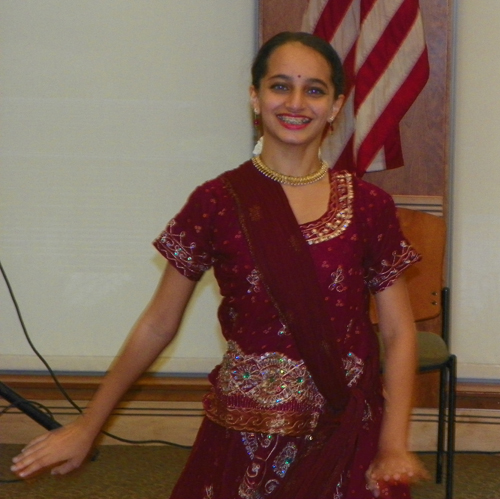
<point x="298" y="76"/>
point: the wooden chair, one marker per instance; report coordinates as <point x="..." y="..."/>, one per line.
<point x="429" y="300"/>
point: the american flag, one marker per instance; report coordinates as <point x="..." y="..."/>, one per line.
<point x="382" y="46"/>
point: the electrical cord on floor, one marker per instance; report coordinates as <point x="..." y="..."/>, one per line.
<point x="14" y="480"/>
<point x="57" y="382"/>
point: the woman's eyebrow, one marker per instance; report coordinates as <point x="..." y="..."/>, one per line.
<point x="290" y="78"/>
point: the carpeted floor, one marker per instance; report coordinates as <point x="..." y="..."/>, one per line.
<point x="141" y="472"/>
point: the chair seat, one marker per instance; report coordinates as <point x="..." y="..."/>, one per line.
<point x="432" y="351"/>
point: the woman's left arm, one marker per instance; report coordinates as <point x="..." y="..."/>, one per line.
<point x="393" y="461"/>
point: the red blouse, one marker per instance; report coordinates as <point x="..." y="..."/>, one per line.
<point x="357" y="247"/>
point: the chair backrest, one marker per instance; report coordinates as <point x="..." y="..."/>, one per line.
<point x="427" y="234"/>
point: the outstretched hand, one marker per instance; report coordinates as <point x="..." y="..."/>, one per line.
<point x="394" y="468"/>
<point x="61" y="451"/>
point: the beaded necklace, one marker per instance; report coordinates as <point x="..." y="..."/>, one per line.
<point x="290" y="179"/>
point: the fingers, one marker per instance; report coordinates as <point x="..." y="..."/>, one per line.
<point x="372" y="484"/>
<point x="28" y="464"/>
<point x="386" y="471"/>
<point x="36" y="440"/>
<point x="29" y="449"/>
<point x="31" y="458"/>
<point x="42" y="453"/>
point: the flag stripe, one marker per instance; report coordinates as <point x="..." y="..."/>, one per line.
<point x="379" y="95"/>
<point x="339" y="146"/>
<point x="346" y="34"/>
<point x="330" y="19"/>
<point x="392" y="114"/>
<point x="312" y="15"/>
<point x="378" y="53"/>
<point x="374" y="24"/>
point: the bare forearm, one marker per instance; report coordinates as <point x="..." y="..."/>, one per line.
<point x="393" y="462"/>
<point x="139" y="352"/>
<point x="398" y="334"/>
<point x="399" y="376"/>
<point x="153" y="332"/>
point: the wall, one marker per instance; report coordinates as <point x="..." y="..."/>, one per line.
<point x="475" y="270"/>
<point x="112" y="111"/>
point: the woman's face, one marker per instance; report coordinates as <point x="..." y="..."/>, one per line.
<point x="296" y="96"/>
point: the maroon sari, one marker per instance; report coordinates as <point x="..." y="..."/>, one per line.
<point x="280" y="251"/>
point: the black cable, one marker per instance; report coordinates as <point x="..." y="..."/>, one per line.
<point x="28" y="339"/>
<point x="31" y="402"/>
<point x="57" y="382"/>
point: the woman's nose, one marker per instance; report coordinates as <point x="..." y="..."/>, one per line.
<point x="295" y="100"/>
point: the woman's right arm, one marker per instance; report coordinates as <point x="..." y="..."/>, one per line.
<point x="65" y="449"/>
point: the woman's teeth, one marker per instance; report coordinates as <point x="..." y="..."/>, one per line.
<point x="294" y="120"/>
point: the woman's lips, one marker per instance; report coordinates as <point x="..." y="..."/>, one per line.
<point x="294" y="121"/>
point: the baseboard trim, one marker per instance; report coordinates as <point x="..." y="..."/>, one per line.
<point x="478" y="395"/>
<point x="192" y="389"/>
<point x="148" y="388"/>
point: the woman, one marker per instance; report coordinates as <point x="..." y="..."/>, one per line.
<point x="296" y="409"/>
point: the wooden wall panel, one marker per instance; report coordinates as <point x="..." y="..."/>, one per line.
<point x="279" y="15"/>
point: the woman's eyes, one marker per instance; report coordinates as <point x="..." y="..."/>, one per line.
<point x="279" y="87"/>
<point x="316" y="91"/>
<point x="282" y="87"/>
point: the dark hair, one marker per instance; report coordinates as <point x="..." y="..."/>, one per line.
<point x="260" y="63"/>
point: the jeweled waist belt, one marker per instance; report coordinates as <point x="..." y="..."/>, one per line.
<point x="260" y="420"/>
<point x="265" y="393"/>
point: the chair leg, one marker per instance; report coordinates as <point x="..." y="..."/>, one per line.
<point x="452" y="390"/>
<point x="441" y="424"/>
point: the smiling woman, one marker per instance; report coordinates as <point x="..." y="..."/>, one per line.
<point x="293" y="89"/>
<point x="296" y="98"/>
<point x="297" y="88"/>
<point x="296" y="407"/>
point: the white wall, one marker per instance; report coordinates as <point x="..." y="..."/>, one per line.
<point x="476" y="191"/>
<point x="112" y="111"/>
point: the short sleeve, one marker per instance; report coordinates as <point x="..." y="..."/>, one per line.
<point x="387" y="252"/>
<point x="186" y="240"/>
